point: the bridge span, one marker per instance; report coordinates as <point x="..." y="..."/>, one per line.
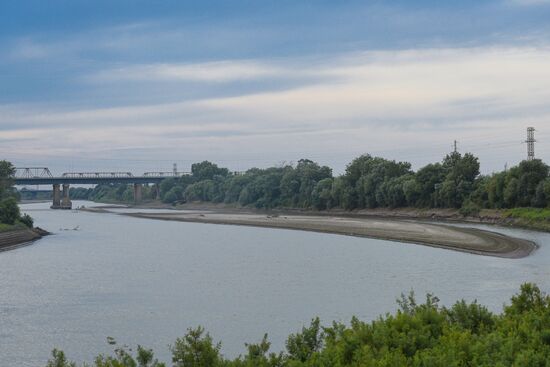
<point x="61" y="184"/>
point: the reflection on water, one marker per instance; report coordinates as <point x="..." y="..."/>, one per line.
<point x="145" y="281"/>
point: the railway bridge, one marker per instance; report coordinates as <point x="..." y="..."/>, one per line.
<point x="61" y="184"/>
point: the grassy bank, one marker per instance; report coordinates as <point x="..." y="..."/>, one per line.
<point x="533" y="218"/>
<point x="11" y="227"/>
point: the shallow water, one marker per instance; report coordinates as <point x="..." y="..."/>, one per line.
<point x="145" y="282"/>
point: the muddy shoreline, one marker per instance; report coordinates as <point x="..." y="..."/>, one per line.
<point x="470" y="240"/>
<point x="10" y="240"/>
<point x="493" y="217"/>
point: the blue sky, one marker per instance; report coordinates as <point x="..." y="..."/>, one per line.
<point x="141" y="84"/>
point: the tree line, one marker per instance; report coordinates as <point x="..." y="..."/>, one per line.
<point x="9" y="210"/>
<point x="368" y="182"/>
<point x="417" y="335"/>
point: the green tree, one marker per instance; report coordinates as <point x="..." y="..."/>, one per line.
<point x="200" y="191"/>
<point x="461" y="173"/>
<point x="9" y="211"/>
<point x="207" y="170"/>
<point x="27" y="220"/>
<point x="59" y="360"/>
<point x="427" y="179"/>
<point x="7" y="170"/>
<point x="321" y="197"/>
<point x="297" y="184"/>
<point x="529" y="174"/>
<point x="511" y="193"/>
<point x="258" y="356"/>
<point x="196" y="349"/>
<point x="540" y="199"/>
<point x="365" y="174"/>
<point x="302" y="346"/>
<point x="417" y="335"/>
<point x="495" y="190"/>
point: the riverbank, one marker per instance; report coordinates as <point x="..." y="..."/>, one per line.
<point x="17" y="237"/>
<point x="468" y="240"/>
<point x="524" y="218"/>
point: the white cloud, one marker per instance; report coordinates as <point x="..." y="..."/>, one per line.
<point x="222" y="71"/>
<point x="528" y="2"/>
<point x="408" y="85"/>
<point x="27" y="49"/>
<point x="397" y="103"/>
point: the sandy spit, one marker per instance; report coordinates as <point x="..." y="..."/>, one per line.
<point x="469" y="240"/>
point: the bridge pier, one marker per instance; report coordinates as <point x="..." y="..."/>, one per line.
<point x="56" y="197"/>
<point x="66" y="202"/>
<point x="137" y="192"/>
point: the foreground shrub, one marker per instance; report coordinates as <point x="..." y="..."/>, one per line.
<point x="416" y="335"/>
<point x="27" y="220"/>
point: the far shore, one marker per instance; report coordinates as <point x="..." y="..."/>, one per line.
<point x="468" y="240"/>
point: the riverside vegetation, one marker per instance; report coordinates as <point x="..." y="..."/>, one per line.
<point x="418" y="334"/>
<point x="10" y="216"/>
<point x="368" y="182"/>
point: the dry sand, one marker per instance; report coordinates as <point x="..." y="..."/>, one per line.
<point x="469" y="240"/>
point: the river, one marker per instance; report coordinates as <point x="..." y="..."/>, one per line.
<point x="145" y="282"/>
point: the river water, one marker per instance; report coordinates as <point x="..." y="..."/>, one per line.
<point x="145" y="282"/>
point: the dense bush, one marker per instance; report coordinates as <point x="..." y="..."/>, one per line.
<point x="418" y="335"/>
<point x="470" y="208"/>
<point x="9" y="211"/>
<point x="27" y="220"/>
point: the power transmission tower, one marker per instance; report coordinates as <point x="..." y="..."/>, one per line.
<point x="175" y="169"/>
<point x="530" y="143"/>
<point x="455" y="146"/>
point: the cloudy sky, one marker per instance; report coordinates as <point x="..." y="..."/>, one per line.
<point x="136" y="85"/>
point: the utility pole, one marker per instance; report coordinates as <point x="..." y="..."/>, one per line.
<point x="530" y="143"/>
<point x="175" y="168"/>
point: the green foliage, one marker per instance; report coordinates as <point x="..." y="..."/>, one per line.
<point x="27" y="220"/>
<point x="472" y="317"/>
<point x="9" y="211"/>
<point x="201" y="191"/>
<point x="460" y="174"/>
<point x="469" y="209"/>
<point x="370" y="179"/>
<point x="417" y="335"/>
<point x="302" y="346"/>
<point x="368" y="182"/>
<point x="196" y="349"/>
<point x="59" y="360"/>
<point x="534" y="218"/>
<point x="7" y="170"/>
<point x="207" y="170"/>
<point x="123" y="358"/>
<point x="258" y="356"/>
<point x="529" y="214"/>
